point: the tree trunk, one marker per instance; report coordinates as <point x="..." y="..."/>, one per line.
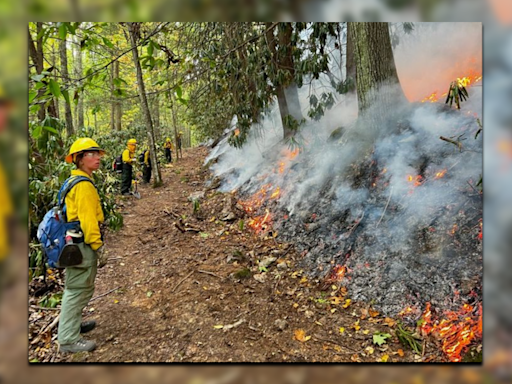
<point x="118" y="113"/>
<point x="144" y="102"/>
<point x="286" y="91"/>
<point x="65" y="77"/>
<point x="36" y="53"/>
<point x="113" y="98"/>
<point x="350" y="65"/>
<point x="79" y="110"/>
<point x="53" y="104"/>
<point x="376" y="78"/>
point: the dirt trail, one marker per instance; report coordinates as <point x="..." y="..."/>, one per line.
<point x="176" y="290"/>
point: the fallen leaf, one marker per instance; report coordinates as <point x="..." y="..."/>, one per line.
<point x="389" y="322"/>
<point x="337" y="348"/>
<point x="218" y="326"/>
<point x="370" y="350"/>
<point x="300" y="335"/>
<point x="384" y="358"/>
<point x="373" y="313"/>
<point x="356" y="326"/>
<point x="355" y="358"/>
<point x="295" y="305"/>
<point x="318" y="323"/>
<point x="333" y="310"/>
<point x="333" y="287"/>
<point x="116" y="301"/>
<point x="347" y="303"/>
<point x="304" y="280"/>
<point x="400" y="353"/>
<point x="364" y="313"/>
<point x="149" y="293"/>
<point x="366" y="331"/>
<point x="342" y="329"/>
<point x="343" y="291"/>
<point x="334" y="300"/>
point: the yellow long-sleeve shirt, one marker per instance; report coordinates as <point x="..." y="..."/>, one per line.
<point x="168" y="144"/>
<point x="6" y="210"/>
<point x="128" y="157"/>
<point x="83" y="204"/>
<point x="147" y="158"/>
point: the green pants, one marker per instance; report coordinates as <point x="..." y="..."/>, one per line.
<point x="78" y="290"/>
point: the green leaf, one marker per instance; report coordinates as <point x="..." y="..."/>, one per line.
<point x="38" y="78"/>
<point x="178" y="91"/>
<point x="65" y="93"/>
<point x="380" y="338"/>
<point x="150" y="48"/>
<point x="183" y="101"/>
<point x="36" y="133"/>
<point x="51" y="129"/>
<point x="31" y="96"/>
<point x="203" y="235"/>
<point x="54" y="88"/>
<point x="108" y="43"/>
<point x="149" y="293"/>
<point x="63" y="30"/>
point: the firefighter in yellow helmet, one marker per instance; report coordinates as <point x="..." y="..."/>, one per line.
<point x="128" y="160"/>
<point x="168" y="150"/>
<point x="83" y="205"/>
<point x="178" y="143"/>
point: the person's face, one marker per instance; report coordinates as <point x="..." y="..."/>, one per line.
<point x="132" y="147"/>
<point x="91" y="160"/>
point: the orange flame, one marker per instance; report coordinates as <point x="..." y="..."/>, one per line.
<point x="440" y="174"/>
<point x="472" y="78"/>
<point x="418" y="180"/>
<point x="457" y="330"/>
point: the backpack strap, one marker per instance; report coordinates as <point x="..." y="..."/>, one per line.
<point x="66" y="187"/>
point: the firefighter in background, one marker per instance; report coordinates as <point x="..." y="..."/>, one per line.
<point x="146" y="170"/>
<point x="168" y="150"/>
<point x="7" y="273"/>
<point x="128" y="160"/>
<point x="83" y="204"/>
<point x="178" y="144"/>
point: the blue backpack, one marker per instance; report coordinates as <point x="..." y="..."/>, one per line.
<point x="51" y="232"/>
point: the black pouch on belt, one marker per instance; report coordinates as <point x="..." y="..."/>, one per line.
<point x="70" y="256"/>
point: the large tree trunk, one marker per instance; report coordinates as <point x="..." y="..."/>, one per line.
<point x="65" y="77"/>
<point x="377" y="82"/>
<point x="132" y="28"/>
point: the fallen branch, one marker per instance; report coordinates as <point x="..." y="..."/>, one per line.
<point x="182" y="280"/>
<point x="104" y="294"/>
<point x="458" y="144"/>
<point x="210" y="273"/>
<point x="229" y="326"/>
<point x="46" y="329"/>
<point x="171" y="213"/>
<point x="44" y="308"/>
<point x="386" y="207"/>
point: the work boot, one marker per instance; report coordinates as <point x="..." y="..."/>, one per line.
<point x="81" y="345"/>
<point x="87" y="326"/>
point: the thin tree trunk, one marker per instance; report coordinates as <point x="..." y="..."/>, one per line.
<point x="376" y="77"/>
<point x="113" y="99"/>
<point x="145" y="107"/>
<point x="65" y="76"/>
<point x="118" y="113"/>
<point x="53" y="105"/>
<point x="36" y="53"/>
<point x="350" y="72"/>
<point x="77" y="71"/>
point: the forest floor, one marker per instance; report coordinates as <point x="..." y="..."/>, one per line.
<point x="200" y="295"/>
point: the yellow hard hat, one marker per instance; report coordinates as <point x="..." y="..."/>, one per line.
<point x="81" y="145"/>
<point x="167" y="139"/>
<point x="132" y="141"/>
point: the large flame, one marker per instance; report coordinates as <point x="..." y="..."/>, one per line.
<point x="457" y="330"/>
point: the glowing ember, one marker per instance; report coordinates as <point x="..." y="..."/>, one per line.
<point x="260" y="223"/>
<point x="281" y="167"/>
<point x="457" y="330"/>
<point x="454" y="229"/>
<point x="440" y="174"/>
<point x="418" y="180"/>
<point x="339" y="272"/>
<point x="276" y="193"/>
